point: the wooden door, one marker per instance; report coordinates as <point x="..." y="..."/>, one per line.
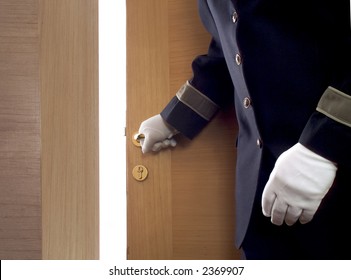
<point x="49" y="129"/>
<point x="185" y="207"/>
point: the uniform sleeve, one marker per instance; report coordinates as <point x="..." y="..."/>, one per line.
<point x="208" y="90"/>
<point x="328" y="131"/>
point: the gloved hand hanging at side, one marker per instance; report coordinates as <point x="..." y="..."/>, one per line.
<point x="157" y="134"/>
<point x="297" y="185"/>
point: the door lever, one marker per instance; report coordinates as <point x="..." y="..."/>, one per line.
<point x="136" y="138"/>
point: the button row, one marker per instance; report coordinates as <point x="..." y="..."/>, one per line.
<point x="238" y="60"/>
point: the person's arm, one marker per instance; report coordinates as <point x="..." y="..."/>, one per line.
<point x="198" y="99"/>
<point x="304" y="174"/>
<point x="328" y="132"/>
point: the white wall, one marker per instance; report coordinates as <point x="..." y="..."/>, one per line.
<point x="112" y="106"/>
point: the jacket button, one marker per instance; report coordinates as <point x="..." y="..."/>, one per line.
<point x="247" y="102"/>
<point x="235" y="17"/>
<point x="259" y="143"/>
<point x="238" y="59"/>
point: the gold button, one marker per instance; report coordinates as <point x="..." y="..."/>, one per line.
<point x="238" y="59"/>
<point x="235" y="17"/>
<point x="247" y="102"/>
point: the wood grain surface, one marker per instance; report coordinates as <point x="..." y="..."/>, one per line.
<point x="49" y="170"/>
<point x="69" y="122"/>
<point x="20" y="190"/>
<point x="185" y="208"/>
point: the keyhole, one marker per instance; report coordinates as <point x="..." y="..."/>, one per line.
<point x="140" y="172"/>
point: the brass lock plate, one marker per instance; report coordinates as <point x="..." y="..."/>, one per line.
<point x="140" y="173"/>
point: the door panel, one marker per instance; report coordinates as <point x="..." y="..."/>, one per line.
<point x="49" y="129"/>
<point x="20" y="210"/>
<point x="185" y="208"/>
<point x="149" y="212"/>
<point x="69" y="121"/>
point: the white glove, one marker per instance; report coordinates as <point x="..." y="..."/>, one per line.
<point x="157" y="134"/>
<point x="297" y="185"/>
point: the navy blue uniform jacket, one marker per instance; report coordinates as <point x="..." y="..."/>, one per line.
<point x="288" y="66"/>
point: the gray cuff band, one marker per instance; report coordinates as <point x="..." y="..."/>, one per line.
<point x="197" y="101"/>
<point x="336" y="105"/>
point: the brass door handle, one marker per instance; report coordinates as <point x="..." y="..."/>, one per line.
<point x="136" y="138"/>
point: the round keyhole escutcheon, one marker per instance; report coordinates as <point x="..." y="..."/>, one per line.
<point x="140" y="173"/>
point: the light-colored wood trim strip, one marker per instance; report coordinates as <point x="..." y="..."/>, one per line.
<point x="69" y="128"/>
